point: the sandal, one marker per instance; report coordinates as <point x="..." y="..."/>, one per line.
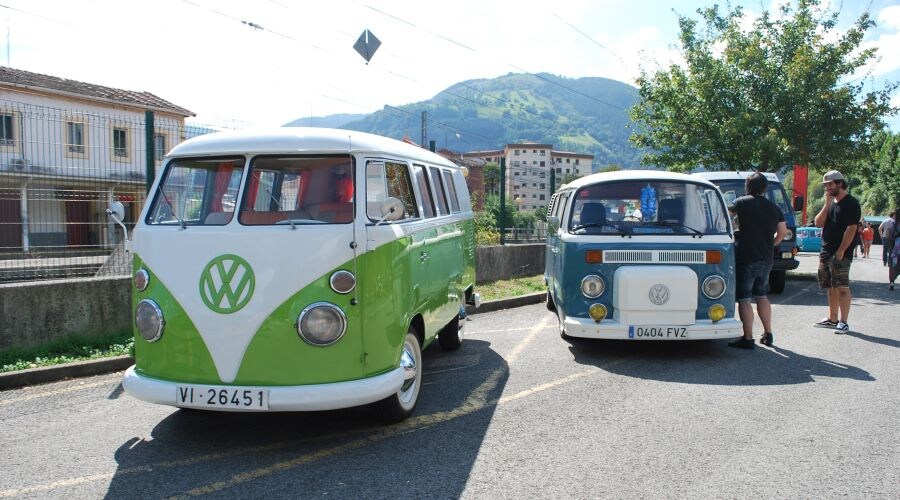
<point x="767" y="339"/>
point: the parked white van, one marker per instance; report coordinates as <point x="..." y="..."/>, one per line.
<point x="641" y="255"/>
<point x="298" y="269"/>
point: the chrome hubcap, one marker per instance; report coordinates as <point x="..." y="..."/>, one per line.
<point x="410" y="372"/>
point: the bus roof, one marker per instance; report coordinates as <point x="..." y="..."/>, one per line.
<point x="631" y="175"/>
<point x="732" y="175"/>
<point x="305" y="140"/>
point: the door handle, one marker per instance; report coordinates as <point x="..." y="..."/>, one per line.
<point x="423" y="257"/>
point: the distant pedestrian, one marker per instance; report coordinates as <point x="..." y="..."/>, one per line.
<point x="762" y="227"/>
<point x="886" y="229"/>
<point x="893" y="262"/>
<point x="857" y="242"/>
<point x="868" y="235"/>
<point x="839" y="219"/>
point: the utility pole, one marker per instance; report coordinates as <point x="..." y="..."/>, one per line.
<point x="424" y="127"/>
<point x="501" y="219"/>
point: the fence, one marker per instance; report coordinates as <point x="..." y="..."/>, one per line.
<point x="59" y="170"/>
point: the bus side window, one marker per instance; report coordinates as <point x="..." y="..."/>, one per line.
<point x="451" y="187"/>
<point x="424" y="191"/>
<point x="438" y="181"/>
<point x="389" y="179"/>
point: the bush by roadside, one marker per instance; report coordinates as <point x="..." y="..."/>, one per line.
<point x="75" y="348"/>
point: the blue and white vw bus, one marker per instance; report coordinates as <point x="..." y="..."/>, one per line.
<point x="641" y="255"/>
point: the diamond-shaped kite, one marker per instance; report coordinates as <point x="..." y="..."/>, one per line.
<point x="367" y="44"/>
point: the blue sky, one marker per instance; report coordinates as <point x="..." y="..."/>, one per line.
<point x="267" y="62"/>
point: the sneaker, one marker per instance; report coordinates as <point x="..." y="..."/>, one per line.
<point x="742" y="343"/>
<point x="767" y="339"/>
<point x="841" y="328"/>
<point x="825" y="323"/>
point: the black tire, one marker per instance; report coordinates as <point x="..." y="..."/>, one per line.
<point x="451" y="336"/>
<point x="551" y="306"/>
<point x="396" y="407"/>
<point x="776" y="281"/>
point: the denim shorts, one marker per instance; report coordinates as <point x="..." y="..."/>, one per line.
<point x="752" y="280"/>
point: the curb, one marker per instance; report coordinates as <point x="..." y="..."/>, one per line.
<point x="44" y="374"/>
<point x="496" y="305"/>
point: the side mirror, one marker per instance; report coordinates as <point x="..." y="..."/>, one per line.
<point x="553" y="222"/>
<point x="798" y="203"/>
<point x="116" y="211"/>
<point x="391" y="209"/>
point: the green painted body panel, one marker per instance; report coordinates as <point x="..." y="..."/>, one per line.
<point x="181" y="353"/>
<point x="394" y="284"/>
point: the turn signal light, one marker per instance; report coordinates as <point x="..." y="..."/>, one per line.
<point x="593" y="256"/>
<point x="713" y="257"/>
<point x="597" y="312"/>
<point x="794" y="250"/>
<point x="716" y="312"/>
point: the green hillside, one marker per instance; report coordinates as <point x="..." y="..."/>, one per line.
<point x="583" y="115"/>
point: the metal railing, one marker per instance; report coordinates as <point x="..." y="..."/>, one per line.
<point x="59" y="170"/>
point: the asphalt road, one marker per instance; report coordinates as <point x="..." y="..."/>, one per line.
<point x="516" y="413"/>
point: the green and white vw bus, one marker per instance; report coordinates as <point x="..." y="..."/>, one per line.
<point x="298" y="269"/>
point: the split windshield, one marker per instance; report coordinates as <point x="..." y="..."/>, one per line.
<point x="289" y="190"/>
<point x="648" y="207"/>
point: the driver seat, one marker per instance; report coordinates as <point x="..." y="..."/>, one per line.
<point x="593" y="213"/>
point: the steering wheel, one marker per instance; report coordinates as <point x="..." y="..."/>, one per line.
<point x="630" y="218"/>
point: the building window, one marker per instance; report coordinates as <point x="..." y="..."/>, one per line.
<point x="567" y="160"/>
<point x="542" y="197"/>
<point x="7" y="130"/>
<point x="558" y="170"/>
<point x="543" y="175"/>
<point x="543" y="186"/>
<point x="75" y="137"/>
<point x="576" y="161"/>
<point x="159" y="146"/>
<point x="534" y="150"/>
<point x="533" y="162"/>
<point x="516" y="153"/>
<point x="543" y="153"/>
<point x="120" y="142"/>
<point x="543" y="164"/>
<point x="515" y="173"/>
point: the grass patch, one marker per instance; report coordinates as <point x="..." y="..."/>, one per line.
<point x="74" y="348"/>
<point x="504" y="289"/>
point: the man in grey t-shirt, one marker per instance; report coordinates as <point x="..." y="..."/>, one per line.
<point x="886" y="230"/>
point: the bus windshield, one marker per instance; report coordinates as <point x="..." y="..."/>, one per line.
<point x="648" y="207"/>
<point x="197" y="192"/>
<point x="734" y="188"/>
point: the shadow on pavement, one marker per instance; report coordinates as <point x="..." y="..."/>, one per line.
<point x="344" y="453"/>
<point x="708" y="362"/>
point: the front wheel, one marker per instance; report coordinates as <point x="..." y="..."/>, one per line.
<point x="776" y="281"/>
<point x="400" y="405"/>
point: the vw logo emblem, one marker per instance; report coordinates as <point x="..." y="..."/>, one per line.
<point x="226" y="284"/>
<point x="659" y="294"/>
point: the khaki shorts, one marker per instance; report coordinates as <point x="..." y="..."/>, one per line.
<point x="834" y="273"/>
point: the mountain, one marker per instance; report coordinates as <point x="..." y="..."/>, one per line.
<point x="582" y="115"/>
<point x="330" y="121"/>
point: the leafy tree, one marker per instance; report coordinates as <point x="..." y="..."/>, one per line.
<point x="763" y="97"/>
<point x="491" y="172"/>
<point x="880" y="174"/>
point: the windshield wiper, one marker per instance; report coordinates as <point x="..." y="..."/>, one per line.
<point x="171" y="208"/>
<point x="696" y="232"/>
<point x="278" y="205"/>
<point x="594" y="224"/>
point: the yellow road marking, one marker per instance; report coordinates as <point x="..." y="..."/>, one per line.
<point x="476" y="400"/>
<point x="53" y="393"/>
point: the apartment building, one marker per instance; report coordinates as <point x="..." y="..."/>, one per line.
<point x="529" y="167"/>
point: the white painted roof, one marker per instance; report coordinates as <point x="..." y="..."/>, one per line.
<point x="631" y="175"/>
<point x="305" y="140"/>
<point x="730" y="175"/>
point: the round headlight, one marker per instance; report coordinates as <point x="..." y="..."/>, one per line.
<point x="321" y="324"/>
<point x="788" y="235"/>
<point x="141" y="280"/>
<point x="714" y="286"/>
<point x="592" y="286"/>
<point x="149" y="320"/>
<point x="343" y="281"/>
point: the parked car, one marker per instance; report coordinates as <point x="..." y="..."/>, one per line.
<point x="809" y="239"/>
